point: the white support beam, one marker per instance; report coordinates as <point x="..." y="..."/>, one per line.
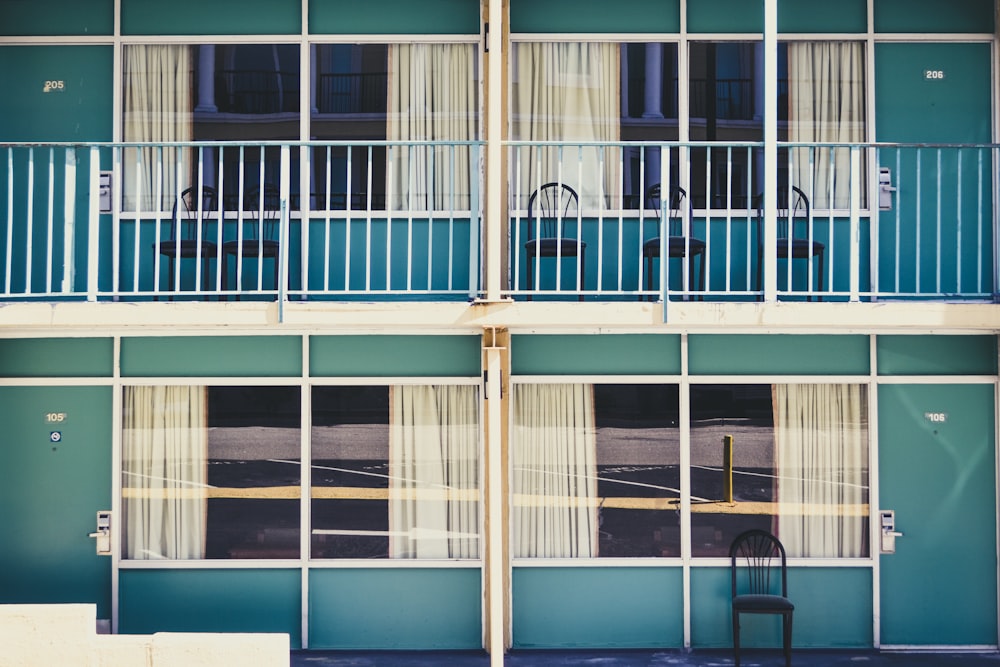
<point x="770" y="234"/>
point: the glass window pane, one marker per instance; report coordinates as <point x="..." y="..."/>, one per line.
<point x="395" y="472"/>
<point x="595" y="471"/>
<point x="211" y="472"/>
<point x="799" y="467"/>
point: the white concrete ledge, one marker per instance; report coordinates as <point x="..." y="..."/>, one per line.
<point x="66" y="634"/>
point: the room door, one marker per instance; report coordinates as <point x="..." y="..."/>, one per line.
<point x="55" y="475"/>
<point x="937" y="472"/>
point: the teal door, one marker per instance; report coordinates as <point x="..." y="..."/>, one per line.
<point x="937" y="472"/>
<point x="55" y="475"/>
<point x="937" y="239"/>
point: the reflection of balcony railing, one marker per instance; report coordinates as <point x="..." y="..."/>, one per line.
<point x="352" y="93"/>
<point x="257" y="91"/>
<point x="386" y="220"/>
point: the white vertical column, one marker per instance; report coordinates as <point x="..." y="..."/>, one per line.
<point x="496" y="208"/>
<point x="770" y="235"/>
<point x="495" y="563"/>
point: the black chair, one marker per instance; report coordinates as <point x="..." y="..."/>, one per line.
<point x="260" y="240"/>
<point x="680" y="243"/>
<point x="794" y="227"/>
<point x="189" y="217"/>
<point x="549" y="209"/>
<point x="760" y="584"/>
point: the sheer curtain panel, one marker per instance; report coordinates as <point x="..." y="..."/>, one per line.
<point x="434" y="472"/>
<point x="567" y="92"/>
<point x="826" y="90"/>
<point x="555" y="511"/>
<point x="164" y="472"/>
<point x="821" y="462"/>
<point x="158" y="104"/>
<point x="432" y="97"/>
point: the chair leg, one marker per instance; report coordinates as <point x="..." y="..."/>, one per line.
<point x="530" y="272"/>
<point x="787" y="637"/>
<point x="736" y="637"/>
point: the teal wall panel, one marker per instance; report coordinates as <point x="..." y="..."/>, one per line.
<point x="594" y="16"/>
<point x="50" y="493"/>
<point x="379" y="356"/>
<point x="79" y="111"/>
<point x="406" y="608"/>
<point x="934" y="16"/>
<point x="210" y="601"/>
<point x="606" y="607"/>
<point x="626" y="354"/>
<point x="234" y="356"/>
<point x="815" y="593"/>
<point x="844" y="16"/>
<point x="936" y="355"/>
<point x="56" y="357"/>
<point x="739" y="16"/>
<point x="733" y="354"/>
<point x="394" y="17"/>
<point x="57" y="17"/>
<point x="211" y="17"/>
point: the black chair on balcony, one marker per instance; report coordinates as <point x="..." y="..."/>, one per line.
<point x="260" y="239"/>
<point x="188" y="222"/>
<point x="760" y="584"/>
<point x="795" y="238"/>
<point x="550" y="208"/>
<point x="680" y="242"/>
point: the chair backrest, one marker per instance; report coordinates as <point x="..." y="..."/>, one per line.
<point x="677" y="224"/>
<point x="264" y="206"/>
<point x="187" y="210"/>
<point x="549" y="208"/>
<point x="794" y="213"/>
<point x="758" y="564"/>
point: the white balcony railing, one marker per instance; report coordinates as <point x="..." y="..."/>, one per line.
<point x="404" y="220"/>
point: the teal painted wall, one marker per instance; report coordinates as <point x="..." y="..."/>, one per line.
<point x="211" y="17"/>
<point x="833" y="608"/>
<point x="758" y="354"/>
<point x="394" y="17"/>
<point x="738" y="16"/>
<point x="56" y="357"/>
<point x="933" y="16"/>
<point x="844" y="16"/>
<point x="409" y="608"/>
<point x="57" y="17"/>
<point x="936" y="355"/>
<point x="639" y="354"/>
<point x="211" y="601"/>
<point x="609" y="607"/>
<point x="50" y="493"/>
<point x="593" y="16"/>
<point x="201" y="356"/>
<point x="380" y="356"/>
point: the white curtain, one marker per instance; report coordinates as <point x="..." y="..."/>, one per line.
<point x="432" y="97"/>
<point x="164" y="470"/>
<point x="158" y="104"/>
<point x="434" y="472"/>
<point x="821" y="457"/>
<point x="555" y="471"/>
<point x="567" y="92"/>
<point x="826" y="91"/>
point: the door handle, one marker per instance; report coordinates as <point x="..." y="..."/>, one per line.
<point x="103" y="533"/>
